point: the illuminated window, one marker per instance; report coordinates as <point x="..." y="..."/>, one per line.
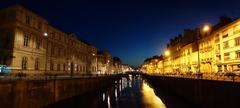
<point x="217" y="40"/>
<point x="236" y="29"/>
<point x="218" y="57"/>
<point x="238" y="54"/>
<point x="218" y="47"/>
<point x="237" y="41"/>
<point x="24" y="63"/>
<point x="225" y="45"/>
<point x="26" y="40"/>
<point x="226" y="56"/>
<point x="37" y="64"/>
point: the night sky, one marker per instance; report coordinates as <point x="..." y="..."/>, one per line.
<point x="130" y="29"/>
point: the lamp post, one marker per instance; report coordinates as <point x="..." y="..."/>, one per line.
<point x="45" y="34"/>
<point x="205" y="29"/>
<point x="166" y="53"/>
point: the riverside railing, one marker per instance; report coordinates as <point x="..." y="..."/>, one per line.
<point x="230" y="77"/>
<point x="53" y="77"/>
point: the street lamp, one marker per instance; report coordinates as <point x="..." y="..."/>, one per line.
<point x="166" y="53"/>
<point x="46" y="49"/>
<point x="206" y="28"/>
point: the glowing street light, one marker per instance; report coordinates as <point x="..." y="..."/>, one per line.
<point x="45" y="34"/>
<point x="206" y="28"/>
<point x="167" y="53"/>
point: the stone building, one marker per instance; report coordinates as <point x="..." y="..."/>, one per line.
<point x="104" y="64"/>
<point x="216" y="50"/>
<point x="29" y="44"/>
<point x="23" y="39"/>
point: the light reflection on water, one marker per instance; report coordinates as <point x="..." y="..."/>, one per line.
<point x="108" y="102"/>
<point x="150" y="98"/>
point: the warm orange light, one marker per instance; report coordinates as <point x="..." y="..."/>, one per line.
<point x="167" y="53"/>
<point x="206" y="28"/>
<point x="150" y="98"/>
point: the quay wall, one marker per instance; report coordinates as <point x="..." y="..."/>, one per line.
<point x="42" y="92"/>
<point x="202" y="93"/>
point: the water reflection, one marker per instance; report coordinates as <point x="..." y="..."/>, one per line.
<point x="150" y="98"/>
<point x="129" y="92"/>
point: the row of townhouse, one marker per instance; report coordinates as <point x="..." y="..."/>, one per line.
<point x="29" y="44"/>
<point x="212" y="51"/>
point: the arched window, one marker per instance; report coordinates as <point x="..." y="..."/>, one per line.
<point x="37" y="64"/>
<point x="24" y="63"/>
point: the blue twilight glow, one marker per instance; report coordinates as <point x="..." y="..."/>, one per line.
<point x="130" y="29"/>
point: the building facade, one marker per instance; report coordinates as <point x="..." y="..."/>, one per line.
<point x="29" y="44"/>
<point x="215" y="51"/>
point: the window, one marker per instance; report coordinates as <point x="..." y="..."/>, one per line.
<point x="237" y="41"/>
<point x="8" y="41"/>
<point x="218" y="47"/>
<point x="217" y="38"/>
<point x="236" y="29"/>
<point x="218" y="57"/>
<point x="51" y="66"/>
<point x="39" y="25"/>
<point x="58" y="67"/>
<point x="238" y="54"/>
<point x="225" y="45"/>
<point x="59" y="51"/>
<point x="38" y="43"/>
<point x="52" y="51"/>
<point x="28" y="19"/>
<point x="226" y="56"/>
<point x="37" y="64"/>
<point x="224" y="36"/>
<point x="64" y="67"/>
<point x="24" y="63"/>
<point x="26" y="40"/>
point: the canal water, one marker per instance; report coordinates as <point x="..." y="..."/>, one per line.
<point x="129" y="92"/>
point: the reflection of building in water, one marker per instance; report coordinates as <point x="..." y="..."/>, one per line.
<point x="124" y="83"/>
<point x="150" y="98"/>
<point x="116" y="94"/>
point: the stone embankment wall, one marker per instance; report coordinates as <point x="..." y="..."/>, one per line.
<point x="39" y="93"/>
<point x="202" y="93"/>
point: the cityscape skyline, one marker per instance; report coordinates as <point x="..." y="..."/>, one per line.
<point x="130" y="30"/>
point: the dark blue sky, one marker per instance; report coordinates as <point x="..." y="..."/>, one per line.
<point x="130" y="29"/>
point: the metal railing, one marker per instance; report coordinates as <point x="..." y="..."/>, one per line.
<point x="53" y="77"/>
<point x="231" y="78"/>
